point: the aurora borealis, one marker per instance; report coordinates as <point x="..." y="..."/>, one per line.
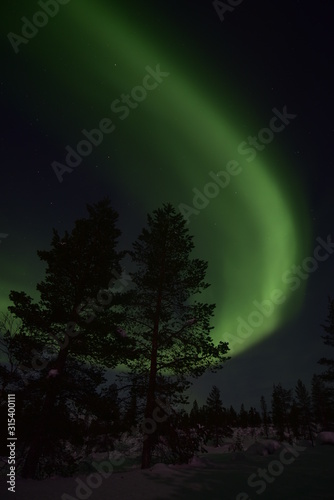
<point x="166" y="144"/>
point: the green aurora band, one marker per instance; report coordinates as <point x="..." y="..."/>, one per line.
<point x="252" y="231"/>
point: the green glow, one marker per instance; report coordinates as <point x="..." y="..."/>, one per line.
<point x="251" y="232"/>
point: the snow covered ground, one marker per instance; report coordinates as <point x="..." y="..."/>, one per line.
<point x="212" y="476"/>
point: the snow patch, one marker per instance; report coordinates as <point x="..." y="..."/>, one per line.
<point x="197" y="462"/>
<point x="325" y="438"/>
<point x="263" y="448"/>
<point x="160" y="468"/>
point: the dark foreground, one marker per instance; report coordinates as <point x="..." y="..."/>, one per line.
<point x="216" y="476"/>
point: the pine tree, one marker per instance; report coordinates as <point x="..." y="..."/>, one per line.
<point x="232" y="417"/>
<point x="216" y="417"/>
<point x="254" y="419"/>
<point x="243" y="417"/>
<point x="303" y="403"/>
<point x="328" y="375"/>
<point x="295" y="420"/>
<point x="169" y="329"/>
<point x="264" y="415"/>
<point x="281" y="405"/>
<point x="321" y="402"/>
<point x="67" y="319"/>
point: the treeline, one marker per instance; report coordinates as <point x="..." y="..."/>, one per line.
<point x="293" y="414"/>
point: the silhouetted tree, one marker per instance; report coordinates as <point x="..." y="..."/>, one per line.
<point x="294" y="420"/>
<point x="169" y="329"/>
<point x="254" y="419"/>
<point x="216" y="417"/>
<point x="328" y="375"/>
<point x="10" y="375"/>
<point x="176" y="441"/>
<point x="281" y="405"/>
<point x="321" y="401"/>
<point x="303" y="403"/>
<point x="106" y="422"/>
<point x="243" y="417"/>
<point x="264" y="415"/>
<point x="67" y="320"/>
<point x="232" y="417"/>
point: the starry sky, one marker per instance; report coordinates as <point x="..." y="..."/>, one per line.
<point x="223" y="109"/>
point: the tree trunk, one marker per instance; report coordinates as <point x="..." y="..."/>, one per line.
<point x="36" y="447"/>
<point x="150" y="400"/>
<point x="147" y="443"/>
<point x="147" y="451"/>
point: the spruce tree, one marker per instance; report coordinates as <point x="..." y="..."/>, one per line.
<point x="216" y="417"/>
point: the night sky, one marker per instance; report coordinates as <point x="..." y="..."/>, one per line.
<point x="226" y="113"/>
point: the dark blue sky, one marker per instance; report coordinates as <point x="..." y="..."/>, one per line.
<point x="278" y="52"/>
